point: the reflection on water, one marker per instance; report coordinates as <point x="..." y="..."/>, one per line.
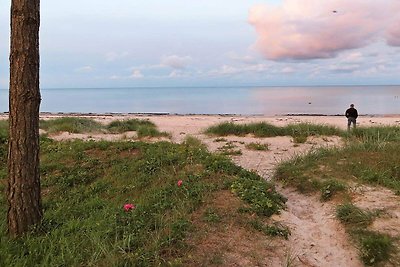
<point x="236" y="100"/>
<point x="329" y="100"/>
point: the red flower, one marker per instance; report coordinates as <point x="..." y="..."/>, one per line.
<point x="128" y="207"/>
<point x="180" y="182"/>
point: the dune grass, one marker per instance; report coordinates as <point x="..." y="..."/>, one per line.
<point x="86" y="184"/>
<point x="374" y="163"/>
<point x="370" y="156"/>
<point x="144" y="128"/>
<point x="374" y="247"/>
<point x="353" y="216"/>
<point x="377" y="134"/>
<point x="71" y="125"/>
<point x="263" y="129"/>
<point x="257" y="146"/>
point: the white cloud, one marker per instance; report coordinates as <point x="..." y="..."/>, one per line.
<point x="344" y="68"/>
<point x="136" y="74"/>
<point x="115" y="77"/>
<point x="175" y="61"/>
<point x="176" y="74"/>
<point x="287" y="70"/>
<point x="232" y="70"/>
<point x="113" y="56"/>
<point x="247" y="59"/>
<point x="84" y="69"/>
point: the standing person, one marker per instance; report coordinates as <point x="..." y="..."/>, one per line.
<point x="351" y="115"/>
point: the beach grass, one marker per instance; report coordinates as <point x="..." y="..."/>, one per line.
<point x="353" y="216"/>
<point x="263" y="129"/>
<point x="71" y="125"/>
<point x="85" y="185"/>
<point x="257" y="146"/>
<point x="3" y="130"/>
<point x="374" y="247"/>
<point x="144" y="128"/>
<point x="376" y="134"/>
<point x="121" y="126"/>
<point x="370" y="156"/>
<point x="374" y="163"/>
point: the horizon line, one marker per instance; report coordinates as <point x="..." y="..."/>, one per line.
<point x="216" y="86"/>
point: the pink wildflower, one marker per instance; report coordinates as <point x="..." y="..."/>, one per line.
<point x="180" y="182"/>
<point x="128" y="207"/>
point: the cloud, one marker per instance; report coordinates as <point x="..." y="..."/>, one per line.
<point x="113" y="56"/>
<point x="84" y="69"/>
<point x="176" y="62"/>
<point x="136" y="74"/>
<point x="177" y="74"/>
<point x="393" y="34"/>
<point x="310" y="29"/>
<point x="246" y="59"/>
<point x="345" y="68"/>
<point x="233" y="70"/>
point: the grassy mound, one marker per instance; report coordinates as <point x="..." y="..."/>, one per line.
<point x="144" y="128"/>
<point x="263" y="129"/>
<point x="86" y="187"/>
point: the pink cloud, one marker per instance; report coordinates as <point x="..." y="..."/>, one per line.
<point x="307" y="29"/>
<point x="393" y="31"/>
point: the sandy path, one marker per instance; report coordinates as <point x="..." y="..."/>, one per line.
<point x="317" y="238"/>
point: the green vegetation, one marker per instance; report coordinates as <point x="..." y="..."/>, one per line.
<point x="377" y="134"/>
<point x="220" y="140"/>
<point x="329" y="188"/>
<point x="229" y="149"/>
<point x="257" y="146"/>
<point x="85" y="186"/>
<point x="144" y="128"/>
<point x="374" y="163"/>
<point x="129" y="125"/>
<point x="353" y="216"/>
<point x="71" y="124"/>
<point x="370" y="156"/>
<point x="3" y="130"/>
<point x="263" y="129"/>
<point x="300" y="139"/>
<point x="374" y="247"/>
<point x="271" y="230"/>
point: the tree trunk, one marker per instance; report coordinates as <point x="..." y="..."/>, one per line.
<point x="23" y="192"/>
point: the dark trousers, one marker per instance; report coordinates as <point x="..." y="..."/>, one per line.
<point x="351" y="120"/>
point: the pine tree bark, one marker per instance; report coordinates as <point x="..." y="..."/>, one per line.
<point x="23" y="192"/>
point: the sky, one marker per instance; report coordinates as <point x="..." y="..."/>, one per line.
<point x="148" y="43"/>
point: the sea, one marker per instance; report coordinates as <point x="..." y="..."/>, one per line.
<point x="315" y="100"/>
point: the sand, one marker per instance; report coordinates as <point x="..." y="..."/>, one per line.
<point x="318" y="238"/>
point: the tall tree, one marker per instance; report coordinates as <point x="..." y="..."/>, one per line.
<point x="23" y="192"/>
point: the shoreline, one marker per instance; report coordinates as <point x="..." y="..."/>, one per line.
<point x="123" y="114"/>
<point x="180" y="125"/>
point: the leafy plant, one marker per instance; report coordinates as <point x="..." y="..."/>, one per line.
<point x="257" y="146"/>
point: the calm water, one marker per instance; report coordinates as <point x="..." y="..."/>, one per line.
<point x="218" y="100"/>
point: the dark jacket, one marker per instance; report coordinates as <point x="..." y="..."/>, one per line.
<point x="351" y="112"/>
